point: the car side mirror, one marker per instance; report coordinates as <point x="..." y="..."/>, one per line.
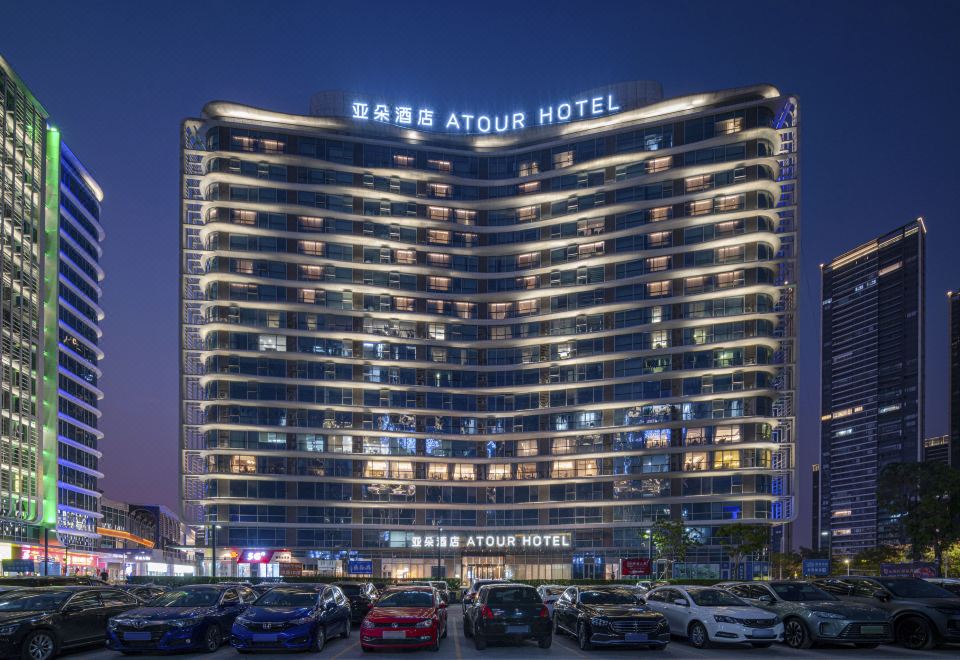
<point x="680" y="601"/>
<point x="768" y="600"/>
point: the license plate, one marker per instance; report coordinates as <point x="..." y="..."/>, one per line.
<point x="871" y="630"/>
<point x="137" y="636"/>
<point x="514" y="630"/>
<point x="636" y="637"/>
<point x="265" y="638"/>
<point x="394" y="634"/>
<point x="763" y="632"/>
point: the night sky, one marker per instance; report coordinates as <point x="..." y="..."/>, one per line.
<point x="878" y="92"/>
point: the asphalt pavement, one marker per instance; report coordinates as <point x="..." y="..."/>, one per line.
<point x="460" y="648"/>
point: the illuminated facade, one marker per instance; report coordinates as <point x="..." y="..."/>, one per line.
<point x="51" y="329"/>
<point x="400" y="337"/>
<point x="871" y="383"/>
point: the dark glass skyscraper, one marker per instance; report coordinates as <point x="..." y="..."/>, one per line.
<point x="502" y="344"/>
<point x="872" y="381"/>
<point x="953" y="299"/>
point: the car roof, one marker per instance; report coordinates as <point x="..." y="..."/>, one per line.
<point x="502" y="585"/>
<point x="70" y="587"/>
<point x="411" y="587"/>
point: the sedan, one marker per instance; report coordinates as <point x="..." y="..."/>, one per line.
<point x="362" y="596"/>
<point x="609" y="616"/>
<point x="39" y="623"/>
<point x="405" y="617"/>
<point x="707" y="615"/>
<point x="197" y="617"/>
<point x="293" y="618"/>
<point x="812" y="616"/>
<point x="507" y="612"/>
<point x="950" y="584"/>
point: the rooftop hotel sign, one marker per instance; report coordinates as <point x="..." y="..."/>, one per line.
<point x="422" y="118"/>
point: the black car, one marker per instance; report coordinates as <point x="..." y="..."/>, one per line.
<point x="362" y="596"/>
<point x="264" y="587"/>
<point x="609" y="616"/>
<point x="196" y="617"/>
<point x="466" y="600"/>
<point x="505" y="611"/>
<point x="924" y="615"/>
<point x="37" y="623"/>
<point x="145" y="592"/>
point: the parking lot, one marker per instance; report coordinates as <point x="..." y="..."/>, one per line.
<point x="459" y="647"/>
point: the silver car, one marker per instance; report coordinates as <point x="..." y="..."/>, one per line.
<point x="813" y="616"/>
<point x="549" y="593"/>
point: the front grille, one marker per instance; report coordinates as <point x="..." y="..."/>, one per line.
<point x="760" y="623"/>
<point x="633" y="625"/>
<point x="398" y="624"/>
<point x="274" y="626"/>
<point x="151" y="628"/>
<point x="853" y="631"/>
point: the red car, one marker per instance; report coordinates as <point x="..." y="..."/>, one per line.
<point x="405" y="617"/>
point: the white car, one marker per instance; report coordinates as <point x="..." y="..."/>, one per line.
<point x="707" y="615"/>
<point x="549" y="593"/>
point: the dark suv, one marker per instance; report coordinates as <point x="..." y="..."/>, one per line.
<point x="508" y="612"/>
<point x="924" y="615"/>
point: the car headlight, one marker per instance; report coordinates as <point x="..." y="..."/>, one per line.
<point x="367" y="623"/>
<point x="949" y="611"/>
<point x="827" y="615"/>
<point x="599" y="622"/>
<point x="426" y="623"/>
<point x="719" y="618"/>
<point x="240" y="621"/>
<point x="182" y="623"/>
<point x="663" y="624"/>
<point x="112" y="624"/>
<point x="9" y="630"/>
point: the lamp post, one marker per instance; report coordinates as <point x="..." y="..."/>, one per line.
<point x="437" y="543"/>
<point x="213" y="549"/>
<point x="847" y="562"/>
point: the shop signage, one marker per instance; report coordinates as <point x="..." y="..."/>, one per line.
<point x="355" y="567"/>
<point x="917" y="569"/>
<point x="816" y="567"/>
<point x="255" y="556"/>
<point x="18" y="566"/>
<point x="486" y="541"/>
<point x="291" y="569"/>
<point x="629" y="567"/>
<point x="426" y="118"/>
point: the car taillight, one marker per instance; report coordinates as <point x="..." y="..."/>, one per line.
<point x="544" y="613"/>
<point x="486" y="612"/>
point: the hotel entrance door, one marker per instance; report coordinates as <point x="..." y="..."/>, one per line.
<point x="484" y="567"/>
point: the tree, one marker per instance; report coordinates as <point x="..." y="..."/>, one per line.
<point x="867" y="562"/>
<point x="672" y="540"/>
<point x="743" y="541"/>
<point x="789" y="564"/>
<point x="924" y="499"/>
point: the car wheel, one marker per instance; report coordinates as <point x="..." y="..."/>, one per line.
<point x="915" y="633"/>
<point x="697" y="634"/>
<point x="39" y="645"/>
<point x="212" y="638"/>
<point x="319" y="639"/>
<point x="545" y="642"/>
<point x="583" y="637"/>
<point x="795" y="634"/>
<point x="478" y="641"/>
<point x="346" y="630"/>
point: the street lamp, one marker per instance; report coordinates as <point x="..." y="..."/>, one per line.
<point x="847" y="562"/>
<point x="213" y="549"/>
<point x="439" y="534"/>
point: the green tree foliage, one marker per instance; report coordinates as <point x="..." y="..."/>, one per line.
<point x="926" y="498"/>
<point x="743" y="541"/>
<point x="867" y="562"/>
<point x="672" y="540"/>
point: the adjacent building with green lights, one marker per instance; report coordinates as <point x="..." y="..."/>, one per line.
<point x="50" y="251"/>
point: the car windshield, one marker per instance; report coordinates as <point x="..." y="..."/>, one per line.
<point x="913" y="588"/>
<point x="607" y="597"/>
<point x="714" y="598"/>
<point x="797" y="591"/>
<point x="187" y="598"/>
<point x="351" y="589"/>
<point x="406" y="599"/>
<point x="514" y="596"/>
<point x="287" y="598"/>
<point x="32" y="601"/>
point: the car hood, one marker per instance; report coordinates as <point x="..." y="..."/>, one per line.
<point x="621" y="610"/>
<point x="276" y="613"/>
<point x="390" y="613"/>
<point x="163" y="613"/>
<point x="846" y="609"/>
<point x="740" y="612"/>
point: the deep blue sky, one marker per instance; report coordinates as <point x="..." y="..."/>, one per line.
<point x="877" y="83"/>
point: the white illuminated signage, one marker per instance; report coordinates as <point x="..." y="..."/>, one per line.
<point x="465" y="122"/>
<point x="561" y="540"/>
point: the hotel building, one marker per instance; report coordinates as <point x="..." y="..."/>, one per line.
<point x="872" y="382"/>
<point x="50" y="243"/>
<point x="423" y="342"/>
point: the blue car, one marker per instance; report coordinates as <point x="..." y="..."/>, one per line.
<point x="293" y="618"/>
<point x="196" y="617"/>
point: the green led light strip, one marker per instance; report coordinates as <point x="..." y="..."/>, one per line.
<point x="51" y="333"/>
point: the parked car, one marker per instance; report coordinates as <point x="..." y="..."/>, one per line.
<point x="924" y="614"/>
<point x="470" y="593"/>
<point x="443" y="588"/>
<point x="950" y="584"/>
<point x="405" y="617"/>
<point x="196" y="617"/>
<point x="504" y="611"/>
<point x="549" y="593"/>
<point x="263" y="587"/>
<point x="38" y="623"/>
<point x="707" y="615"/>
<point x="362" y="596"/>
<point x="609" y="616"/>
<point x="294" y="617"/>
<point x="145" y="592"/>
<point x="812" y="616"/>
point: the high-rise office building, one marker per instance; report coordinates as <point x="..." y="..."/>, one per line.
<point x="426" y="341"/>
<point x="815" y="542"/>
<point x="51" y="238"/>
<point x="937" y="450"/>
<point x="872" y="382"/>
<point x="953" y="300"/>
